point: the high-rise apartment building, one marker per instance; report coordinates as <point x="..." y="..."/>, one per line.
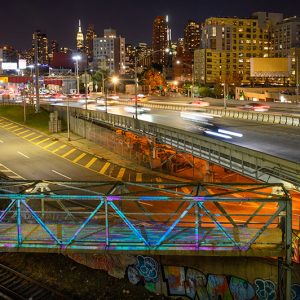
<point x="229" y="43"/>
<point x="79" y="38"/>
<point x="192" y="36"/>
<point x="160" y="39"/>
<point x="54" y="48"/>
<point x="40" y="39"/>
<point x="287" y="44"/>
<point x="89" y="39"/>
<point x="109" y="52"/>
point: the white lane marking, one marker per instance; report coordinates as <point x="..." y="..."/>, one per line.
<point x="1" y="141"/>
<point x="23" y="154"/>
<point x="61" y="174"/>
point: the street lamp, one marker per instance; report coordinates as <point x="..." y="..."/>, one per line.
<point x="115" y="80"/>
<point x="224" y="92"/>
<point x="77" y="58"/>
<point x="178" y="62"/>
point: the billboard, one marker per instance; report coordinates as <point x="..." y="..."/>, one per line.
<point x="9" y="66"/>
<point x="270" y="67"/>
<point x="22" y="64"/>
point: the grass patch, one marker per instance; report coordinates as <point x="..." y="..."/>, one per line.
<point x="34" y="120"/>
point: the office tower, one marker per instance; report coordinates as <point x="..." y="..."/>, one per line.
<point x="109" y="52"/>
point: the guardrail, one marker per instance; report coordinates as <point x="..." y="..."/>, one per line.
<point x="285" y="119"/>
<point x="251" y="163"/>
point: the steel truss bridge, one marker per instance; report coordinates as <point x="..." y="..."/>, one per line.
<point x="157" y="218"/>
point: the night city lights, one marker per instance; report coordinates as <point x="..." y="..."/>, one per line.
<point x="150" y="150"/>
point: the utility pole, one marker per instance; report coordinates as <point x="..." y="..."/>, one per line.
<point x="135" y="88"/>
<point x="37" y="85"/>
<point x="297" y="53"/>
<point x="193" y="80"/>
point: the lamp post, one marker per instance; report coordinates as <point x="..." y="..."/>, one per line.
<point x="76" y="58"/>
<point x="178" y="62"/>
<point x="224" y="92"/>
<point x="115" y="80"/>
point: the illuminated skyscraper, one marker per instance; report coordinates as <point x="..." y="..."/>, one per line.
<point x="89" y="39"/>
<point x="160" y="39"/>
<point x="42" y="46"/>
<point x="80" y="39"/>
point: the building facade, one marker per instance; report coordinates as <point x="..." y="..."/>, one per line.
<point x="227" y="44"/>
<point x="109" y="52"/>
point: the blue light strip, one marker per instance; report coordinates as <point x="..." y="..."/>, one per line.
<point x="128" y="223"/>
<point x="84" y="224"/>
<point x="19" y="224"/>
<point x="174" y="225"/>
<point x="44" y="226"/>
<point x="7" y="209"/>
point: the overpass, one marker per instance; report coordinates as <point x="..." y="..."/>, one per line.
<point x="254" y="164"/>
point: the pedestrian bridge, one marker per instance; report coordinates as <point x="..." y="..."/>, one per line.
<point x="152" y="218"/>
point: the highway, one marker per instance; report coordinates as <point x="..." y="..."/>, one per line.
<point x="276" y="140"/>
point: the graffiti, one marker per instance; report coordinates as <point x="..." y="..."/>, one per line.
<point x="265" y="289"/>
<point x="241" y="289"/>
<point x="148" y="268"/>
<point x="145" y="271"/>
<point x="296" y="292"/>
<point x="193" y="284"/>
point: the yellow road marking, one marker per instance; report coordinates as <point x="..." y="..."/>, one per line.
<point x="49" y="145"/>
<point x="11" y="127"/>
<point x="78" y="158"/>
<point x="138" y="177"/>
<point x="60" y="147"/>
<point x="90" y="163"/>
<point x="17" y="129"/>
<point x="69" y="152"/>
<point x="121" y="173"/>
<point x="104" y="168"/>
<point x="35" y="138"/>
<point x="4" y="126"/>
<point x="28" y="135"/>
<point x="42" y="141"/>
<point x="20" y="133"/>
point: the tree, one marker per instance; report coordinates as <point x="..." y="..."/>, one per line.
<point x="98" y="76"/>
<point x="154" y="79"/>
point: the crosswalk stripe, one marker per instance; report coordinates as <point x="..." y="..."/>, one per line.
<point x="104" y="168"/>
<point x="49" y="145"/>
<point x="28" y="135"/>
<point x="15" y="130"/>
<point x="4" y="126"/>
<point x="11" y="127"/>
<point x="79" y="157"/>
<point x="35" y="138"/>
<point x="20" y="133"/>
<point x="90" y="163"/>
<point x="59" y="148"/>
<point x="138" y="177"/>
<point x="69" y="152"/>
<point x="42" y="141"/>
<point x="121" y="173"/>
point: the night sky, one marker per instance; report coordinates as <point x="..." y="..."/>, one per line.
<point x="132" y="19"/>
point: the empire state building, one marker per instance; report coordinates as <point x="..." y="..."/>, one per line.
<point x="80" y="39"/>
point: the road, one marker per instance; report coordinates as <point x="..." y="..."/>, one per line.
<point x="277" y="140"/>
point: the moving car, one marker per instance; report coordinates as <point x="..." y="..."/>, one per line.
<point x="256" y="107"/>
<point x="199" y="103"/>
<point x="140" y="109"/>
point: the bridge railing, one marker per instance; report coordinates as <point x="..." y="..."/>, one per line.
<point x="230" y="220"/>
<point x="251" y="163"/>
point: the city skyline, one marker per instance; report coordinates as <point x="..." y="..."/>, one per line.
<point x="25" y="18"/>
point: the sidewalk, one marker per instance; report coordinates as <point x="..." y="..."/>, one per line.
<point x="95" y="149"/>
